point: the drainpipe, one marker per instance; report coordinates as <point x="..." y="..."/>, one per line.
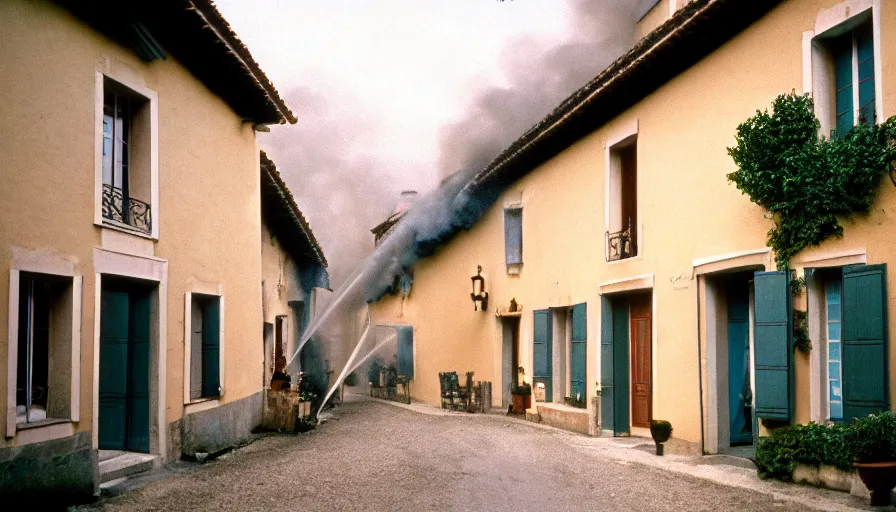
<point x="700" y="372"/>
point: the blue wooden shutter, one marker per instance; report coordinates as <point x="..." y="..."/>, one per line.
<point x="864" y="340"/>
<point x="211" y="348"/>
<point x="406" y="351"/>
<point x="606" y="363"/>
<point x="513" y="235"/>
<point x="542" y="353"/>
<point x="772" y="345"/>
<point x="578" y="352"/>
<point x="865" y="56"/>
<point x="842" y="53"/>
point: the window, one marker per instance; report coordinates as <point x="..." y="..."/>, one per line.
<point x="622" y="201"/>
<point x="205" y="346"/>
<point x="405" y="352"/>
<point x="513" y="239"/>
<point x="126" y="155"/>
<point x="835" y="375"/>
<point x="843" y="68"/>
<point x="44" y="357"/>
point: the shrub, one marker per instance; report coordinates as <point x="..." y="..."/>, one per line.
<point x="523" y="389"/>
<point x="661" y="430"/>
<point x="873" y="438"/>
<point x="778" y="454"/>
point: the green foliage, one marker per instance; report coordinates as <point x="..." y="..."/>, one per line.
<point x="805" y="182"/>
<point x="873" y="438"/>
<point x="581" y="403"/>
<point x="523" y="389"/>
<point x="778" y="454"/>
<point x="801" y="331"/>
<point x="660" y="430"/>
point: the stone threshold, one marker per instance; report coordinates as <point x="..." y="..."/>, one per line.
<point x="115" y="465"/>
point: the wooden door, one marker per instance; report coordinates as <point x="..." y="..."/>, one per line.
<point x="113" y="385"/>
<point x="640" y="310"/>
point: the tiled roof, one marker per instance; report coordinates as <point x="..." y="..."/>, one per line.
<point x="196" y="34"/>
<point x="280" y="211"/>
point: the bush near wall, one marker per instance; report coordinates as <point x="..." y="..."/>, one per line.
<point x="778" y="454"/>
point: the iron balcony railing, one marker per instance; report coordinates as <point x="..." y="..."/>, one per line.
<point x="126" y="210"/>
<point x="621" y="244"/>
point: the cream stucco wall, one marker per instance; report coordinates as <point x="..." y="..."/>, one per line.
<point x="687" y="211"/>
<point x="208" y="209"/>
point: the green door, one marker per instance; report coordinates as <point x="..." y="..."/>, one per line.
<point x="137" y="438"/>
<point x="542" y="353"/>
<point x="739" y="394"/>
<point x="864" y="340"/>
<point x="113" y="385"/>
<point x="621" y="380"/>
<point x="211" y="348"/>
<point x="406" y="351"/>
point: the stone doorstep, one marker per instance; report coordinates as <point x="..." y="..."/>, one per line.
<point x="125" y="465"/>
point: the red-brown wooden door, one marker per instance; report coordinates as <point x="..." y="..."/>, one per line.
<point x="641" y="360"/>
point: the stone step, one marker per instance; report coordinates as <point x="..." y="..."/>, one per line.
<point x="125" y="465"/>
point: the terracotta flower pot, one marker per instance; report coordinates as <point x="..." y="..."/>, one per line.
<point x="521" y="403"/>
<point x="880" y="478"/>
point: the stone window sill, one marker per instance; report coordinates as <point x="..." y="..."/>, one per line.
<point x="42" y="423"/>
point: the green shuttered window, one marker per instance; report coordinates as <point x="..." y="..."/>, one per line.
<point x="864" y="353"/>
<point x="542" y="351"/>
<point x="578" y="352"/>
<point x="211" y="347"/>
<point x="853" y="59"/>
<point x="406" y="351"/>
<point x="772" y="335"/>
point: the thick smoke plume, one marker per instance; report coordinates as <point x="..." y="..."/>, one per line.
<point x="539" y="76"/>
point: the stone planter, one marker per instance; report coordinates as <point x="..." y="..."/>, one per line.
<point x="594" y="427"/>
<point x="880" y="478"/>
<point x="521" y="403"/>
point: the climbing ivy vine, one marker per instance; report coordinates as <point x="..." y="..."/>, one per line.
<point x="806" y="182"/>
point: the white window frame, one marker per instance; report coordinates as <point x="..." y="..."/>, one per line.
<point x="188" y="343"/>
<point x="126" y="78"/>
<point x="817" y="66"/>
<point x="13" y="343"/>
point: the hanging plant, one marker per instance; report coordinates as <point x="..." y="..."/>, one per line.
<point x="801" y="339"/>
<point x="805" y="182"/>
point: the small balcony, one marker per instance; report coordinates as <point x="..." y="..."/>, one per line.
<point x="621" y="244"/>
<point x="127" y="211"/>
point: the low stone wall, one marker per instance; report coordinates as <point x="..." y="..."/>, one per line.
<point x="564" y="416"/>
<point x="831" y="478"/>
<point x="59" y="471"/>
<point x="226" y="426"/>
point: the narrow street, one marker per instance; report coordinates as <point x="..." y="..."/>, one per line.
<point x="376" y="456"/>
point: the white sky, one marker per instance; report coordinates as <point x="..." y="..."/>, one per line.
<point x="404" y="67"/>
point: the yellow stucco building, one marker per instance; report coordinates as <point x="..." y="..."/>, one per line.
<point x="132" y="239"/>
<point x="633" y="259"/>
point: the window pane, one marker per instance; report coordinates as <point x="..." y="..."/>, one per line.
<point x="834" y="331"/>
<point x="834" y="370"/>
<point x="836" y="411"/>
<point x="833" y="351"/>
<point x="513" y="235"/>
<point x="835" y="390"/>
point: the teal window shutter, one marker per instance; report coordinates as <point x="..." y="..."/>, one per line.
<point x="864" y="357"/>
<point x="578" y="352"/>
<point x="842" y="53"/>
<point x="606" y="364"/>
<point x="406" y="351"/>
<point x="211" y="348"/>
<point x="513" y="235"/>
<point x="772" y="350"/>
<point x="542" y="353"/>
<point x="865" y="56"/>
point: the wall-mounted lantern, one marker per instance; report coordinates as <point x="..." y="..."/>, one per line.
<point x="479" y="294"/>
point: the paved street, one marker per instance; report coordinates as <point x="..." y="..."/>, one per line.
<point x="376" y="456"/>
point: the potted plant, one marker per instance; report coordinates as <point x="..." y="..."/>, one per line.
<point x="522" y="397"/>
<point x="873" y="443"/>
<point x="661" y="431"/>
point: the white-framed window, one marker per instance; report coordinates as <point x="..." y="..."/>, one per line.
<point x="622" y="200"/>
<point x="833" y="332"/>
<point x="44" y="349"/>
<point x="841" y="66"/>
<point x="126" y="155"/>
<point x="204" y="346"/>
